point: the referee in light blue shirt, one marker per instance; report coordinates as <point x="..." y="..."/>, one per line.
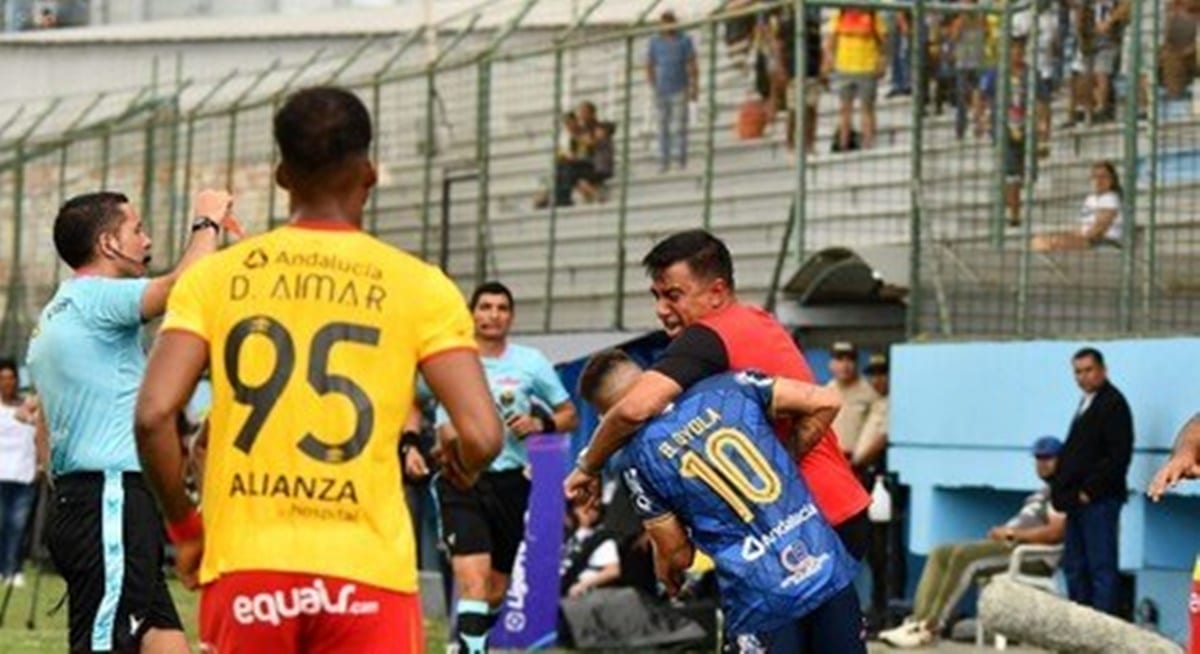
<point x="483" y="526"/>
<point x="86" y="360"/>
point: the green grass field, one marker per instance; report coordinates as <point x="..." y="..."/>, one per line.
<point x="50" y="636"/>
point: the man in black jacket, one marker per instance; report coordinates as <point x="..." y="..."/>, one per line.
<point x="1090" y="483"/>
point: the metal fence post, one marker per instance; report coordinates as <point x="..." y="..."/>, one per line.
<point x="1151" y="237"/>
<point x="624" y="172"/>
<point x="427" y="169"/>
<point x="916" y="164"/>
<point x="273" y="191"/>
<point x="10" y="336"/>
<point x="623" y="191"/>
<point x="376" y="102"/>
<point x="1028" y="175"/>
<point x="148" y="177"/>
<point x="548" y="295"/>
<point x="999" y="127"/>
<point x="1129" y="202"/>
<point x="105" y="156"/>
<point x="63" y="156"/>
<point x="482" y="158"/>
<point x="189" y="142"/>
<point x="711" y="123"/>
<point x="799" y="209"/>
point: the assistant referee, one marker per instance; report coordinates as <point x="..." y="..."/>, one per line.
<point x="86" y="360"/>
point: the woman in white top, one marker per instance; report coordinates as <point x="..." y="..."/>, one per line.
<point x="1099" y="220"/>
<point x="18" y="468"/>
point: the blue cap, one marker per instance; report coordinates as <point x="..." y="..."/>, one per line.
<point x="1047" y="446"/>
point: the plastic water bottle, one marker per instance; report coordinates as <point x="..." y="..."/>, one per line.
<point x="881" y="502"/>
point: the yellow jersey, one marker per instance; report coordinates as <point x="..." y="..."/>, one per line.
<point x="860" y="38"/>
<point x="314" y="335"/>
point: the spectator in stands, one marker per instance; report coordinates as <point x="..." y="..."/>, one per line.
<point x="780" y="31"/>
<point x="1014" y="131"/>
<point x="899" y="49"/>
<point x="940" y="60"/>
<point x="854" y="50"/>
<point x="590" y="556"/>
<point x="1099" y="219"/>
<point x="969" y="33"/>
<point x="1089" y="484"/>
<point x="1046" y="52"/>
<point x="592" y="153"/>
<point x="1101" y="58"/>
<point x="740" y="33"/>
<point x="950" y="568"/>
<point x="673" y="75"/>
<point x="1081" y="29"/>
<point x="868" y="455"/>
<point x="857" y="396"/>
<point x="19" y="457"/>
<point x="574" y="162"/>
<point x="1177" y="54"/>
<point x="603" y="162"/>
<point x="47" y="19"/>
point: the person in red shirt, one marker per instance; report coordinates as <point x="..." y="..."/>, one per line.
<point x="712" y="332"/>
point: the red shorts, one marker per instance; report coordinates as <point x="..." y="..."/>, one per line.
<point x="255" y="612"/>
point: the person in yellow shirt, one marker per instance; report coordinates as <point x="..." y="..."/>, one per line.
<point x="313" y="334"/>
<point x="854" y="51"/>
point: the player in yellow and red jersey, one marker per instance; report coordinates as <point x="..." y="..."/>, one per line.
<point x="314" y="333"/>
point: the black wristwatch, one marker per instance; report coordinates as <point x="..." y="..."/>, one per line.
<point x="204" y="222"/>
<point x="408" y="441"/>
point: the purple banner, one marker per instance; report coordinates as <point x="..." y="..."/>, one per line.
<point x="529" y="619"/>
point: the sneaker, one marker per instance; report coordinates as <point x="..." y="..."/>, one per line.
<point x="917" y="636"/>
<point x="907" y="627"/>
<point x="17" y="580"/>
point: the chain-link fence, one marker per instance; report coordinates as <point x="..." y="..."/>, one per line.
<point x="1022" y="171"/>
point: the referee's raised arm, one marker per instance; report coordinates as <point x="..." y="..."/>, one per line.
<point x="211" y="211"/>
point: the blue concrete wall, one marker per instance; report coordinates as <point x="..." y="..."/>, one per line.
<point x="963" y="416"/>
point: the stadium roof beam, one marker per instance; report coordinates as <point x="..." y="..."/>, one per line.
<point x="91" y="106"/>
<point x="458" y="38"/>
<point x="37" y="122"/>
<point x="254" y="83"/>
<point x="221" y="83"/>
<point x="300" y="70"/>
<point x="506" y="31"/>
<point x="12" y="119"/>
<point x="404" y="46"/>
<point x="350" y="59"/>
<point x="582" y="20"/>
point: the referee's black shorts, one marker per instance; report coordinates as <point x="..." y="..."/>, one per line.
<point x="105" y="537"/>
<point x="487" y="519"/>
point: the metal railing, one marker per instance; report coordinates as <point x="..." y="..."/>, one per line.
<point x="489" y="101"/>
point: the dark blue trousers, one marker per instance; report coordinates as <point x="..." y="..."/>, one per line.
<point x="1090" y="554"/>
<point x="834" y="627"/>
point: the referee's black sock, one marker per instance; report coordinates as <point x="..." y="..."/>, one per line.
<point x="493" y="616"/>
<point x="474" y="621"/>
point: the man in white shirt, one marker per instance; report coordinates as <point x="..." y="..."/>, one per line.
<point x="18" y="469"/>
<point x="952" y="567"/>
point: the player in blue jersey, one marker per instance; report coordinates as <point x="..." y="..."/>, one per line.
<point x="711" y="465"/>
<point x="484" y="525"/>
